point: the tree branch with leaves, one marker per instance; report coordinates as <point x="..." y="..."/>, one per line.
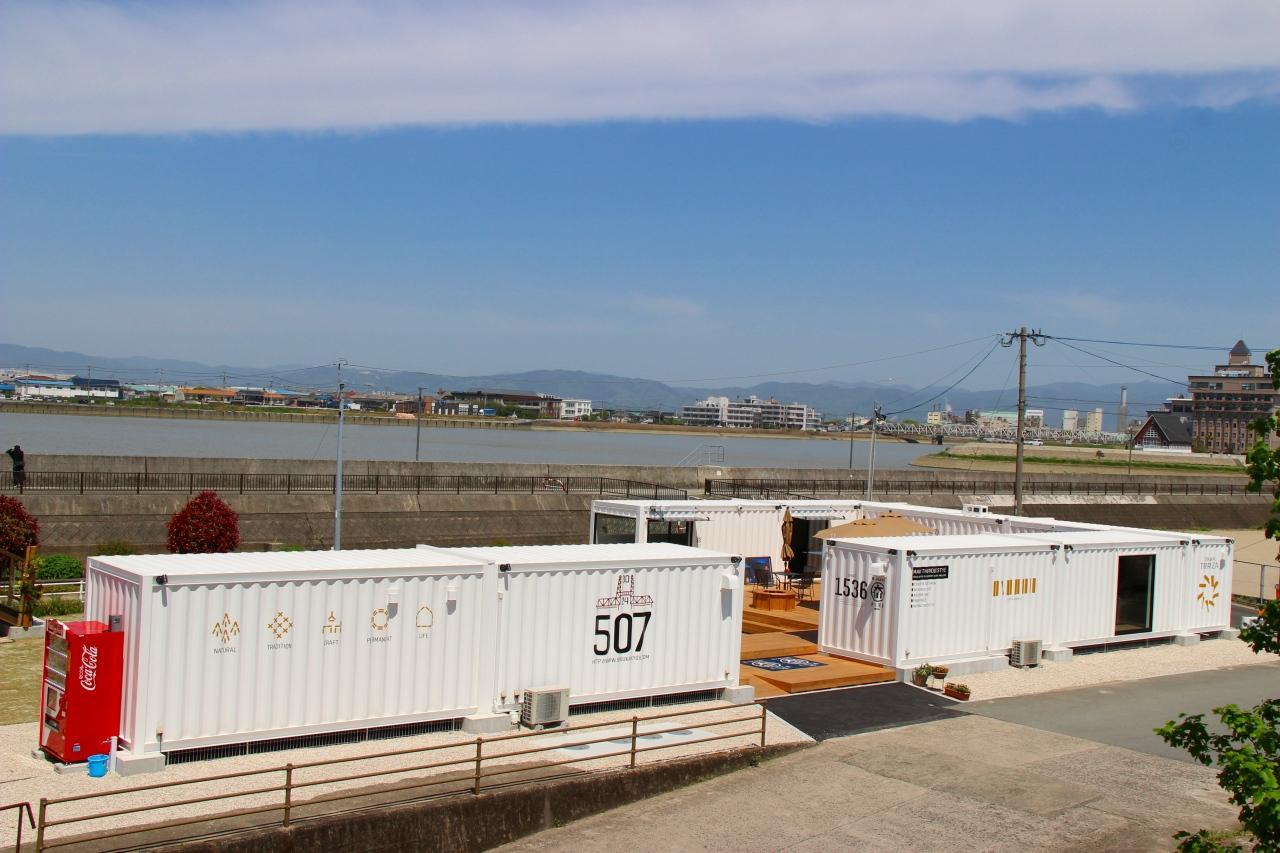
<point x="1247" y="750"/>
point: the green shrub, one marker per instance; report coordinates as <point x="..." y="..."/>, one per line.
<point x="58" y="567"/>
<point x="60" y="606"/>
<point x="118" y="548"/>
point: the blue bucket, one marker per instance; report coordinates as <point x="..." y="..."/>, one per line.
<point x="98" y="765"/>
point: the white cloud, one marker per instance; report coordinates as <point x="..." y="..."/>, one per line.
<point x="163" y="67"/>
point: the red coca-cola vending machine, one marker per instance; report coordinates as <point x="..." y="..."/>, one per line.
<point x="83" y="669"/>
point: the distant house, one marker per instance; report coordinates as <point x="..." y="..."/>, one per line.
<point x="209" y="395"/>
<point x="1163" y="431"/>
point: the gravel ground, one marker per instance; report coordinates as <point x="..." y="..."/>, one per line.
<point x="23" y="777"/>
<point x="1123" y="665"/>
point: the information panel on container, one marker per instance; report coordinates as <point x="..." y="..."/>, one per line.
<point x="924" y="584"/>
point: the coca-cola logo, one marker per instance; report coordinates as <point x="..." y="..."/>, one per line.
<point x="89" y="668"/>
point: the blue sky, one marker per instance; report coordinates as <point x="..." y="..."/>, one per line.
<point x="670" y="239"/>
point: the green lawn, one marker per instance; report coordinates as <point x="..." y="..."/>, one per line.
<point x="1137" y="464"/>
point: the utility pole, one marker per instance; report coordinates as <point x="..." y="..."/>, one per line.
<point x="876" y="417"/>
<point x="417" y="441"/>
<point x="1038" y="338"/>
<point x="337" y="483"/>
<point x="851" y="415"/>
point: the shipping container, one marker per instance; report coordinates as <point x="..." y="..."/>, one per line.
<point x="753" y="528"/>
<point x="229" y="648"/>
<point x="939" y="599"/>
<point x="750" y="528"/>
<point x="616" y="621"/>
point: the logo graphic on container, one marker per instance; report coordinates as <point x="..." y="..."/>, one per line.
<point x="1209" y="592"/>
<point x="331" y="625"/>
<point x="625" y="594"/>
<point x="89" y="668"/>
<point x="280" y="625"/>
<point x="378" y="619"/>
<point x="225" y="629"/>
<point x="877" y="590"/>
<point x="425" y="617"/>
<point x="619" y="637"/>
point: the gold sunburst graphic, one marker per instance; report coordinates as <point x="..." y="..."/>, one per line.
<point x="1209" y="592"/>
<point x="226" y="628"/>
<point x="280" y="625"/>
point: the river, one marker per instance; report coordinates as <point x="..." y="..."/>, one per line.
<point x="135" y="436"/>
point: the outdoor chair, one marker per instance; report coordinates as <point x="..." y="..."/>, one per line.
<point x="802" y="583"/>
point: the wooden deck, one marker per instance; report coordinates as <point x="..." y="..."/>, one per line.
<point x="771" y="634"/>
<point x="837" y="672"/>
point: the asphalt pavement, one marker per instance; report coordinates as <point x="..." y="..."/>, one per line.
<point x="1125" y="713"/>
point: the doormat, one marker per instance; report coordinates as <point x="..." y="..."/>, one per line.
<point x="779" y="664"/>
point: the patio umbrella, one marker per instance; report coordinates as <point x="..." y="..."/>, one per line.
<point x="788" y="553"/>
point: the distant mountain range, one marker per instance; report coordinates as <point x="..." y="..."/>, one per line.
<point x="832" y="399"/>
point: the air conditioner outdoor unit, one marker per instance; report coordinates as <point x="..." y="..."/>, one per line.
<point x="544" y="706"/>
<point x="1025" y="653"/>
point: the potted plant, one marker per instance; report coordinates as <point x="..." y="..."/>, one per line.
<point x="920" y="677"/>
<point x="939" y="674"/>
<point x="957" y="691"/>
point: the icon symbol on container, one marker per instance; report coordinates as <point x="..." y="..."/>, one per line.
<point x="379" y="618"/>
<point x="425" y="617"/>
<point x="226" y="628"/>
<point x="1209" y="592"/>
<point x="331" y="625"/>
<point x="280" y="625"/>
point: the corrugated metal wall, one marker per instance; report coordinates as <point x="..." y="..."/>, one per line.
<point x="1208" y="584"/>
<point x="227" y="662"/>
<point x="549" y="620"/>
<point x="108" y="595"/>
<point x="749" y="531"/>
<point x="852" y="622"/>
<point x="1085" y="588"/>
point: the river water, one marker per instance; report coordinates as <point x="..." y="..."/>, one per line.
<point x="135" y="436"/>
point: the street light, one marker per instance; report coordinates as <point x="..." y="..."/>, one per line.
<point x="417" y="441"/>
<point x="876" y="416"/>
<point x="337" y="483"/>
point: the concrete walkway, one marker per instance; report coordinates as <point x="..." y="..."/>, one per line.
<point x="962" y="783"/>
<point x="1067" y="770"/>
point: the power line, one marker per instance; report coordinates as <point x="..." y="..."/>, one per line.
<point x="944" y="391"/>
<point x="1181" y="383"/>
<point x="1138" y="344"/>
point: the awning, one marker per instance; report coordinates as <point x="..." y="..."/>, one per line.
<point x="818" y="513"/>
<point x="677" y="515"/>
<point x="886" y="525"/>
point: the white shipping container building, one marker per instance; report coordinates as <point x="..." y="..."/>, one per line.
<point x="224" y="649"/>
<point x="753" y="528"/>
<point x="614" y="622"/>
<point x="228" y="648"/>
<point x="964" y="600"/>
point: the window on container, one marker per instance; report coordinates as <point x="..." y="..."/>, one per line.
<point x="675" y="532"/>
<point x="1135" y="584"/>
<point x="613" y="530"/>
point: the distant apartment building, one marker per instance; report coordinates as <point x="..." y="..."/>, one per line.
<point x="1226" y="402"/>
<point x="1070" y="420"/>
<point x="751" y="412"/>
<point x="935" y="419"/>
<point x="476" y="400"/>
<point x="575" y="410"/>
<point x="1000" y="420"/>
<point x="1093" y="421"/>
<point x="74" y="388"/>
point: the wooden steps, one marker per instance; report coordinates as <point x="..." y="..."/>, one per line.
<point x="838" y="672"/>
<point x="800" y="619"/>
<point x="775" y="645"/>
<point x="764" y="690"/>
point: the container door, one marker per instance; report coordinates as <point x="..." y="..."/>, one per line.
<point x="1135" y="585"/>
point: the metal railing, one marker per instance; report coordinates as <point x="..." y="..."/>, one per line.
<point x="137" y="482"/>
<point x="481" y="766"/>
<point x="857" y="488"/>
<point x="62" y="588"/>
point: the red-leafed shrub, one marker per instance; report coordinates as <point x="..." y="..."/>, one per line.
<point x="206" y="525"/>
<point x="18" y="528"/>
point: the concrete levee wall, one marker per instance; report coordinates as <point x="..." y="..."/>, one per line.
<point x="80" y="524"/>
<point x="684" y="477"/>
